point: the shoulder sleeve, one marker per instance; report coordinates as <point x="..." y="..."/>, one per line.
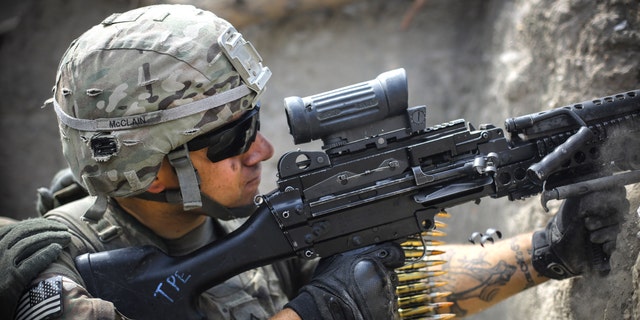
<point x="59" y="291"/>
<point x="43" y="300"/>
<point x="60" y="297"/>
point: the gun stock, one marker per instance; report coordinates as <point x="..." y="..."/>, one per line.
<point x="382" y="176"/>
<point x="145" y="283"/>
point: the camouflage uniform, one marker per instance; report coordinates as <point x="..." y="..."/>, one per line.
<point x="131" y="92"/>
<point x="256" y="294"/>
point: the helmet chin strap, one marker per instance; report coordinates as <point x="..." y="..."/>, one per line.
<point x="214" y="209"/>
<point x="189" y="193"/>
<point x="187" y="177"/>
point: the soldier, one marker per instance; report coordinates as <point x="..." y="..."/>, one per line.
<point x="158" y="112"/>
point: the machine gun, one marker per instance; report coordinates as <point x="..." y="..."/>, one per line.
<point x="382" y="175"/>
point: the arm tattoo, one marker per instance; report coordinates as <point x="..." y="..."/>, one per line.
<point x="524" y="267"/>
<point x="482" y="280"/>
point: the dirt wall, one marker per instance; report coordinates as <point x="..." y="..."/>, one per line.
<point x="569" y="51"/>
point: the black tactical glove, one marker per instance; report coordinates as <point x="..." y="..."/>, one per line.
<point x="28" y="247"/>
<point x="359" y="284"/>
<point x="63" y="189"/>
<point x="581" y="236"/>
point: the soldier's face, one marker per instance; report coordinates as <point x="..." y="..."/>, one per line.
<point x="234" y="181"/>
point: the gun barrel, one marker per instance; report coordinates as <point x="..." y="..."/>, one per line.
<point x="582" y="188"/>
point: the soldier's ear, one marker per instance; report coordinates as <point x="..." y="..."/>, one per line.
<point x="156" y="186"/>
<point x="165" y="179"/>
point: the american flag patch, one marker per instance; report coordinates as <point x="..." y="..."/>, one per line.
<point x="42" y="301"/>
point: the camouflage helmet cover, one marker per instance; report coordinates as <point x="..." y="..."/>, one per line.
<point x="118" y="84"/>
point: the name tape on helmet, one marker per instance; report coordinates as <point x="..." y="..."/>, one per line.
<point x="154" y="117"/>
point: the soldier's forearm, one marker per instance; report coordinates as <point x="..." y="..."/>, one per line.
<point x="286" y="314"/>
<point x="479" y="277"/>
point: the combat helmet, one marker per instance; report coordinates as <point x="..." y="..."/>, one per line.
<point x="140" y="85"/>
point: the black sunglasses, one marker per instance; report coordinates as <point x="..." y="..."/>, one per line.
<point x="230" y="140"/>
